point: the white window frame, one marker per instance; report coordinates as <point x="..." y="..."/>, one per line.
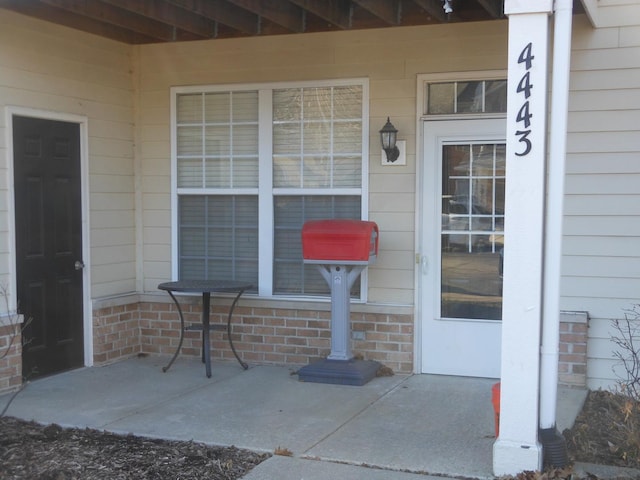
<point x="265" y="190"/>
<point x="427" y="78"/>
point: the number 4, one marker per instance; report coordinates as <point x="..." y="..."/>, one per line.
<point x="524" y="85"/>
<point x="526" y="56"/>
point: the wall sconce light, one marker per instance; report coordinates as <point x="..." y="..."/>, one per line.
<point x="388" y="137"/>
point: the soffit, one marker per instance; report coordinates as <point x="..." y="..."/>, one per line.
<point x="159" y="21"/>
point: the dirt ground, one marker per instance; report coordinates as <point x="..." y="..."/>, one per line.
<point x="607" y="431"/>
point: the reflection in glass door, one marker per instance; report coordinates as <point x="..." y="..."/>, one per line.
<point x="472" y="230"/>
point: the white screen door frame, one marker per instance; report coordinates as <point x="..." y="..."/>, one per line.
<point x="453" y="345"/>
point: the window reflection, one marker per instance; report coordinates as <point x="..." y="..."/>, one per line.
<point x="466" y="97"/>
<point x="472" y="231"/>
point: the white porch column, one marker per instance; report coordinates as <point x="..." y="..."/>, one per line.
<point x="517" y="447"/>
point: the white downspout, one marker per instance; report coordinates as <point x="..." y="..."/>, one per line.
<point x="554" y="213"/>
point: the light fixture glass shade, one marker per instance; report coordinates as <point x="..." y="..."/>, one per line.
<point x="388" y="136"/>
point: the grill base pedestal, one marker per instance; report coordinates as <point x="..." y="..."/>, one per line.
<point x="339" y="372"/>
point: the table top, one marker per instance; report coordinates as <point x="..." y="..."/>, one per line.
<point x="202" y="286"/>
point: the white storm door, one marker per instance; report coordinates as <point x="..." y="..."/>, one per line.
<point x="462" y="225"/>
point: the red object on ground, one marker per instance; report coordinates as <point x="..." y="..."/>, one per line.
<point x="339" y="239"/>
<point x="495" y="399"/>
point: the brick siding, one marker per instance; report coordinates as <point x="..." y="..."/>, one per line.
<point x="276" y="336"/>
<point x="10" y="357"/>
<point x="572" y="367"/>
<point x="116" y="333"/>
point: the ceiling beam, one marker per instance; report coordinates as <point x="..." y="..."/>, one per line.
<point x="114" y="16"/>
<point x="34" y="8"/>
<point x="224" y="13"/>
<point x="433" y="8"/>
<point x="285" y="14"/>
<point x="386" y="10"/>
<point x="493" y="7"/>
<point x="336" y="12"/>
<point x="168" y="14"/>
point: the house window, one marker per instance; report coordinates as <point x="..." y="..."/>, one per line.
<point x="251" y="165"/>
<point x="466" y="97"/>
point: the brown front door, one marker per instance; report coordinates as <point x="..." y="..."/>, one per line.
<point x="48" y="211"/>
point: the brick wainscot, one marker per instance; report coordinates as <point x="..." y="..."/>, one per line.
<point x="275" y="332"/>
<point x="264" y="331"/>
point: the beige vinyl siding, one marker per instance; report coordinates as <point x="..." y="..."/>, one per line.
<point x="613" y="13"/>
<point x="390" y="59"/>
<point x="50" y="68"/>
<point x="124" y="92"/>
<point x="601" y="248"/>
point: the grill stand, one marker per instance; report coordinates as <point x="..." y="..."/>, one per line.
<point x="340" y="367"/>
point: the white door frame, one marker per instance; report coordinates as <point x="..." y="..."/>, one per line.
<point x="82" y="123"/>
<point x="420" y="256"/>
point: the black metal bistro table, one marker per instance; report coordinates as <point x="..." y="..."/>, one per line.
<point x="206" y="288"/>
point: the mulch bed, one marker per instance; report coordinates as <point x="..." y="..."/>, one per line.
<point x="36" y="452"/>
<point x="607" y="431"/>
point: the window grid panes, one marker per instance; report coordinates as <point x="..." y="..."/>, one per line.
<point x="218" y="237"/>
<point x="466" y="97"/>
<point x="472" y="230"/>
<point x="473" y="197"/>
<point x="316" y="133"/>
<point x="291" y="276"/>
<point x="217" y="140"/>
<point x="317" y="137"/>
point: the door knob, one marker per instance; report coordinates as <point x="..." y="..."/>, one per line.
<point x="79" y="265"/>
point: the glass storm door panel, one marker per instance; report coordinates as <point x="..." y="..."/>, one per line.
<point x="463" y="240"/>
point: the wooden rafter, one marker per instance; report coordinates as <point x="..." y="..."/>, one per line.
<point x="433" y="8"/>
<point x="285" y="14"/>
<point x="39" y="10"/>
<point x="222" y="12"/>
<point x="493" y="7"/>
<point x="153" y="21"/>
<point x="386" y="10"/>
<point x="336" y="12"/>
<point x="102" y="12"/>
<point x="168" y="14"/>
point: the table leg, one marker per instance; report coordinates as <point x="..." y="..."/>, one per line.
<point x="233" y="349"/>
<point x="206" y="347"/>
<point x="175" y="355"/>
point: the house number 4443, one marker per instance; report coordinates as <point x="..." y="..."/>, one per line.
<point x="524" y="87"/>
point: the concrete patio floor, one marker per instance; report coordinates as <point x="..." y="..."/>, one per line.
<point x="393" y="428"/>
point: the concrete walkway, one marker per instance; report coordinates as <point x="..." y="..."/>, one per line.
<point x="392" y="428"/>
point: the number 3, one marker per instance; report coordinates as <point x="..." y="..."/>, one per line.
<point x="524" y="134"/>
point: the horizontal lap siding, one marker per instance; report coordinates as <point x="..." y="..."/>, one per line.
<point x="390" y="59"/>
<point x="601" y="247"/>
<point x="51" y="68"/>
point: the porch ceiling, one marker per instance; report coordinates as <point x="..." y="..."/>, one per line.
<point x="157" y="21"/>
